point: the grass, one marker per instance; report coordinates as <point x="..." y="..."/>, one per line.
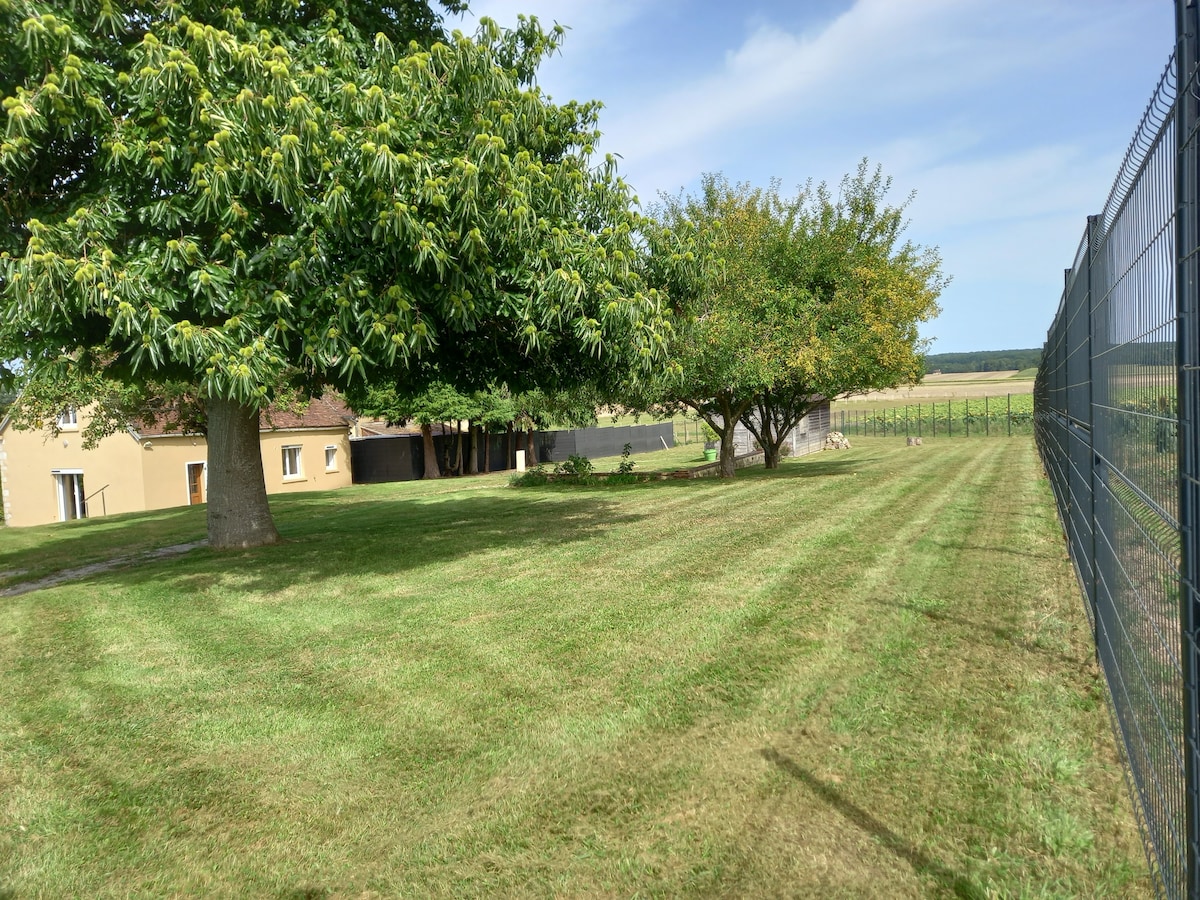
<point x="868" y="674"/>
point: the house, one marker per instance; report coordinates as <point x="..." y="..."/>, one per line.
<point x="51" y="478"/>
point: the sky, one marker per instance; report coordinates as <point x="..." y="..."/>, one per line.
<point x="1007" y="120"/>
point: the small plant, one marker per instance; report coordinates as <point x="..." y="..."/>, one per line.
<point x="575" y="465"/>
<point x="534" y="477"/>
<point x="625" y="466"/>
<point x="711" y="438"/>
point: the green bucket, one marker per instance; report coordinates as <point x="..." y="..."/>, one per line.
<point x="710" y="455"/>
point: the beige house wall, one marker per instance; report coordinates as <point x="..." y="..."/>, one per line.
<point x="313" y="474"/>
<point x="164" y="463"/>
<point x="111" y="475"/>
<point x="148" y="474"/>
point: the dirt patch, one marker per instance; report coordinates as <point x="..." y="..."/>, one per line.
<point x="74" y="574"/>
<point x="940" y="388"/>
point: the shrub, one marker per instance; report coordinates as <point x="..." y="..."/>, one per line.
<point x="625" y="466"/>
<point x="575" y="465"/>
<point x="534" y="477"/>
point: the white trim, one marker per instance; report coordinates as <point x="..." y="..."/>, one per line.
<point x="187" y="481"/>
<point x="331" y="463"/>
<point x="298" y="474"/>
<point x="70" y="499"/>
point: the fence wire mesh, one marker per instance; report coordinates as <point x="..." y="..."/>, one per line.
<point x="1107" y="424"/>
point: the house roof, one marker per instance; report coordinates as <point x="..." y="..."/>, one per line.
<point x="321" y="412"/>
<point x="378" y="428"/>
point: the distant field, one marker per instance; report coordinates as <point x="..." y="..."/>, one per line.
<point x="951" y="377"/>
<point x="951" y="386"/>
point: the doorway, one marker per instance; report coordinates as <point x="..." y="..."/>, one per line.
<point x="195" y="480"/>
<point x="71" y="502"/>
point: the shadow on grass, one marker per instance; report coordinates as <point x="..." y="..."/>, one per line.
<point x="790" y="470"/>
<point x="427" y="523"/>
<point x="386" y="536"/>
<point x="924" y="864"/>
<point x="959" y="547"/>
<point x="30" y="553"/>
<point x="1007" y="636"/>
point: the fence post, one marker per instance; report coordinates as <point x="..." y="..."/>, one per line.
<point x="949" y="419"/>
<point x="987" y="418"/>
<point x="1010" y="415"/>
<point x="1187" y="305"/>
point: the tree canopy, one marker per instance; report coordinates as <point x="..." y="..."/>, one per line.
<point x="798" y="299"/>
<point x="256" y="196"/>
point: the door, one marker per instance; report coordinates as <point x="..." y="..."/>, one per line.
<point x="71" y="503"/>
<point x="195" y="478"/>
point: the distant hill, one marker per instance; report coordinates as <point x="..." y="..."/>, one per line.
<point x="983" y="360"/>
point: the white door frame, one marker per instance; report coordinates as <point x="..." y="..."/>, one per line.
<point x="72" y="496"/>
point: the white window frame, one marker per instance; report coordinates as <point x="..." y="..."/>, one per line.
<point x="288" y="474"/>
<point x="68" y="419"/>
<point x="331" y="458"/>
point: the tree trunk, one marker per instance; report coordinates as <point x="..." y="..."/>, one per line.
<point x="446" y="445"/>
<point x="430" y="452"/>
<point x="457" y="467"/>
<point x="728" y="466"/>
<point x="473" y="453"/>
<point x="487" y="450"/>
<point x="730" y="413"/>
<point x="531" y="451"/>
<point x="769" y="440"/>
<point x="238" y="513"/>
<point x="508" y="448"/>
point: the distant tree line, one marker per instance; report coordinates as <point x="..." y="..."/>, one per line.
<point x="983" y="360"/>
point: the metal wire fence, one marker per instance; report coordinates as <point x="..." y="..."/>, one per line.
<point x="1003" y="415"/>
<point x="1108" y="425"/>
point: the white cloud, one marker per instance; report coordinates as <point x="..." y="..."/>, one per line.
<point x="1028" y="183"/>
<point x="1008" y="119"/>
<point x="591" y="27"/>
<point x="861" y="71"/>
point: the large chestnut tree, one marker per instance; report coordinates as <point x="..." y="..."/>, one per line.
<point x="268" y="196"/>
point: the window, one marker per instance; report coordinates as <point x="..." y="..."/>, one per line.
<point x="331" y="458"/>
<point x="291" y="462"/>
<point x="68" y="420"/>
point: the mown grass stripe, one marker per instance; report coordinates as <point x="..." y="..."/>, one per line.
<point x="864" y="675"/>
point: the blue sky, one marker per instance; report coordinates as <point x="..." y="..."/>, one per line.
<point x="1008" y="119"/>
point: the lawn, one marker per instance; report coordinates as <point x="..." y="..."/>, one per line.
<point x="867" y="674"/>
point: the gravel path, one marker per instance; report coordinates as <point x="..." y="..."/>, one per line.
<point x="79" y="572"/>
